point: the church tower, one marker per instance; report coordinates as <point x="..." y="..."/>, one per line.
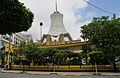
<point x="57" y="25"/>
<point x="57" y="33"/>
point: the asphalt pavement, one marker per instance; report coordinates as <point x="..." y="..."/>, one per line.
<point x="24" y="75"/>
<point x="38" y="74"/>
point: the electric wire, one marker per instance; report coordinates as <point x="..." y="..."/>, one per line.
<point x="97" y="7"/>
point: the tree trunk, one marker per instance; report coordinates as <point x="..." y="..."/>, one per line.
<point x="86" y="60"/>
<point x="114" y="67"/>
<point x="37" y="63"/>
<point x="10" y="66"/>
<point x="58" y="64"/>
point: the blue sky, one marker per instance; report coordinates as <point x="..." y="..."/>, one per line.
<point x="112" y="6"/>
<point x="87" y="13"/>
<point x="76" y="13"/>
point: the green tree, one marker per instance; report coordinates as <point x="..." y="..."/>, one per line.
<point x="14" y="17"/>
<point x="59" y="57"/>
<point x="75" y="59"/>
<point x="96" y="57"/>
<point x="26" y="54"/>
<point x="86" y="49"/>
<point x="29" y="51"/>
<point x="39" y="56"/>
<point x="2" y="56"/>
<point x="104" y="33"/>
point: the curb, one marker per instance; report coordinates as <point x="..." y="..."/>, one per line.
<point x="38" y="73"/>
<point x="59" y="73"/>
<point x="8" y="71"/>
<point x="110" y="75"/>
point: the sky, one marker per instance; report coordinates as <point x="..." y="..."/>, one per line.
<point x="76" y="14"/>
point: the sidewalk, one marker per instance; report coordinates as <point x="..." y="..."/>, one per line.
<point x="10" y="71"/>
<point x="60" y="73"/>
<point x="74" y="73"/>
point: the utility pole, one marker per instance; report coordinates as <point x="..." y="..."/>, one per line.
<point x="114" y="16"/>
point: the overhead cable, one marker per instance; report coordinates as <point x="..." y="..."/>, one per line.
<point x="97" y="7"/>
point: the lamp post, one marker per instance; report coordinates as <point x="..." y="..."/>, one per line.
<point x="53" y="60"/>
<point x="9" y="54"/>
<point x="41" y="24"/>
<point x="53" y="64"/>
<point x="96" y="71"/>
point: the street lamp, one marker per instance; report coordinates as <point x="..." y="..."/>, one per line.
<point x="9" y="55"/>
<point x="53" y="64"/>
<point x="41" y="24"/>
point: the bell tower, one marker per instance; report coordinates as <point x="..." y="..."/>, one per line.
<point x="57" y="33"/>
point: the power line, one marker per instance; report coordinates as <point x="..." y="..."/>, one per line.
<point x="98" y="7"/>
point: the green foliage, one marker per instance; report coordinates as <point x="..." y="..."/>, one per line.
<point x="31" y="52"/>
<point x="96" y="57"/>
<point x="76" y="59"/>
<point x="114" y="53"/>
<point x="85" y="52"/>
<point x="104" y="33"/>
<point x="2" y="55"/>
<point x="14" y="17"/>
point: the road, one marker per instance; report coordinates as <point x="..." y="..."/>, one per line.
<point x="12" y="75"/>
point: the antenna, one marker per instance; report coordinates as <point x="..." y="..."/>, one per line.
<point x="56" y="5"/>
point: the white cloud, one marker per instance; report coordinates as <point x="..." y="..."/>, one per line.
<point x="42" y="10"/>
